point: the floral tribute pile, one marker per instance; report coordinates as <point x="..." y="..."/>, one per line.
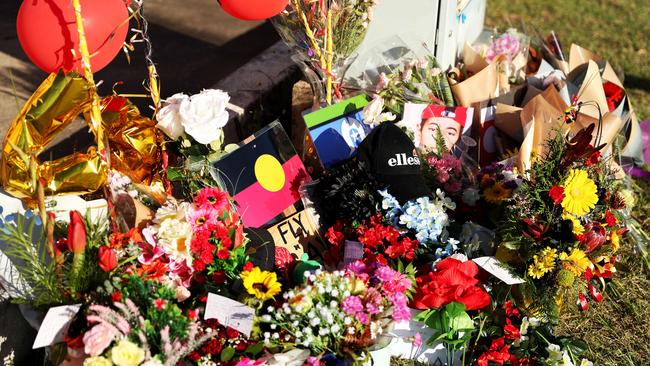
<point x="471" y="262"/>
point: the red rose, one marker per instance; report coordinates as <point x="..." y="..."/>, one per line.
<point x="557" y="194"/>
<point x="452" y="280"/>
<point x="614" y="94"/>
<point x="76" y="233"/>
<point x="107" y="259"/>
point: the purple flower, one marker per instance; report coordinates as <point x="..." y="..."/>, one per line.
<point x="352" y="305"/>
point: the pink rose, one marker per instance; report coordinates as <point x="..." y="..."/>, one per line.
<point x="98" y="338"/>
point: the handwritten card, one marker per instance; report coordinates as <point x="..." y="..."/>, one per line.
<point x="230" y="313"/>
<point x="494" y="267"/>
<point x="55" y="324"/>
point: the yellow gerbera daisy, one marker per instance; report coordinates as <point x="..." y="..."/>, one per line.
<point x="580" y="193"/>
<point x="576" y="262"/>
<point x="543" y="262"/>
<point x="497" y="193"/>
<point x="578" y="229"/>
<point x="261" y="284"/>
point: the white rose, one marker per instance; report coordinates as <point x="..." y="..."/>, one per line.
<point x="203" y="115"/>
<point x="372" y="113"/>
<point x="169" y="119"/>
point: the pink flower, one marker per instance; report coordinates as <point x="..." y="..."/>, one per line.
<point x="211" y="197"/>
<point x="393" y="281"/>
<point x="401" y="311"/>
<point x="352" y="305"/>
<point x="417" y="340"/>
<point x="182" y="271"/>
<point x="98" y="338"/>
<point x="202" y="218"/>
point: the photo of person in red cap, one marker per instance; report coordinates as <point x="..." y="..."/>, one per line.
<point x="441" y="120"/>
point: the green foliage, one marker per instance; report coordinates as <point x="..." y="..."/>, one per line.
<point x="158" y="305"/>
<point x="25" y="243"/>
<point x="453" y="327"/>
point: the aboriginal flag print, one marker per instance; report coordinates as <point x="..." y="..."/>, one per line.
<point x="263" y="176"/>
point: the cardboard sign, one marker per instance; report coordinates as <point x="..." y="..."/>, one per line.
<point x="298" y="235"/>
<point x="55" y="324"/>
<point x="230" y="313"/>
<point x="494" y="267"/>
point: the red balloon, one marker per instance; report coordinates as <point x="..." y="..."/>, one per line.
<point x="47" y="31"/>
<point x="253" y="9"/>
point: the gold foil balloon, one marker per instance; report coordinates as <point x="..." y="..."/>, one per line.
<point x="133" y="139"/>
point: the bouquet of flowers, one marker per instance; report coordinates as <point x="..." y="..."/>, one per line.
<point x="560" y="229"/>
<point x="419" y="81"/>
<point x="343" y="313"/>
<point x="381" y="242"/>
<point x="510" y="51"/>
<point x="324" y="35"/>
<point x="510" y="338"/>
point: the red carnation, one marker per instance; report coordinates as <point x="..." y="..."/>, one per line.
<point x="452" y="280"/>
<point x="557" y="194"/>
<point x="223" y="253"/>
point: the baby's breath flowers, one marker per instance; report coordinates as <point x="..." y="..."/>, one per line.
<point x="338" y="310"/>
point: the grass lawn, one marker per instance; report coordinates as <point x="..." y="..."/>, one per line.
<point x="618" y="329"/>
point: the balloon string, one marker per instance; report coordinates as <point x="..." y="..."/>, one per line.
<point x="95" y="109"/>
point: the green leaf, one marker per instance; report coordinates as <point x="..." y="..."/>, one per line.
<point x="458" y="317"/>
<point x="254" y="349"/>
<point x="175" y="174"/>
<point x="227" y="354"/>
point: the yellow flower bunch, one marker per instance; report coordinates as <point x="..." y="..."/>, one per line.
<point x="543" y="262"/>
<point x="576" y="261"/>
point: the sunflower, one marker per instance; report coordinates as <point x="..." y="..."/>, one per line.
<point x="261" y="284"/>
<point x="543" y="262"/>
<point x="580" y="193"/>
<point x="578" y="229"/>
<point x="497" y="193"/>
<point x="576" y="262"/>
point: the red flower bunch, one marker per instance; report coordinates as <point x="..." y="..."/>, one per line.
<point x="226" y="338"/>
<point x="500" y="351"/>
<point x="217" y="230"/>
<point x="380" y="242"/>
<point x="452" y="280"/>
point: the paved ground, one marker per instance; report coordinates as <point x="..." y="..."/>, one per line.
<point x="196" y="45"/>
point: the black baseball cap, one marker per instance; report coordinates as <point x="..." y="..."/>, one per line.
<point x="390" y="156"/>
